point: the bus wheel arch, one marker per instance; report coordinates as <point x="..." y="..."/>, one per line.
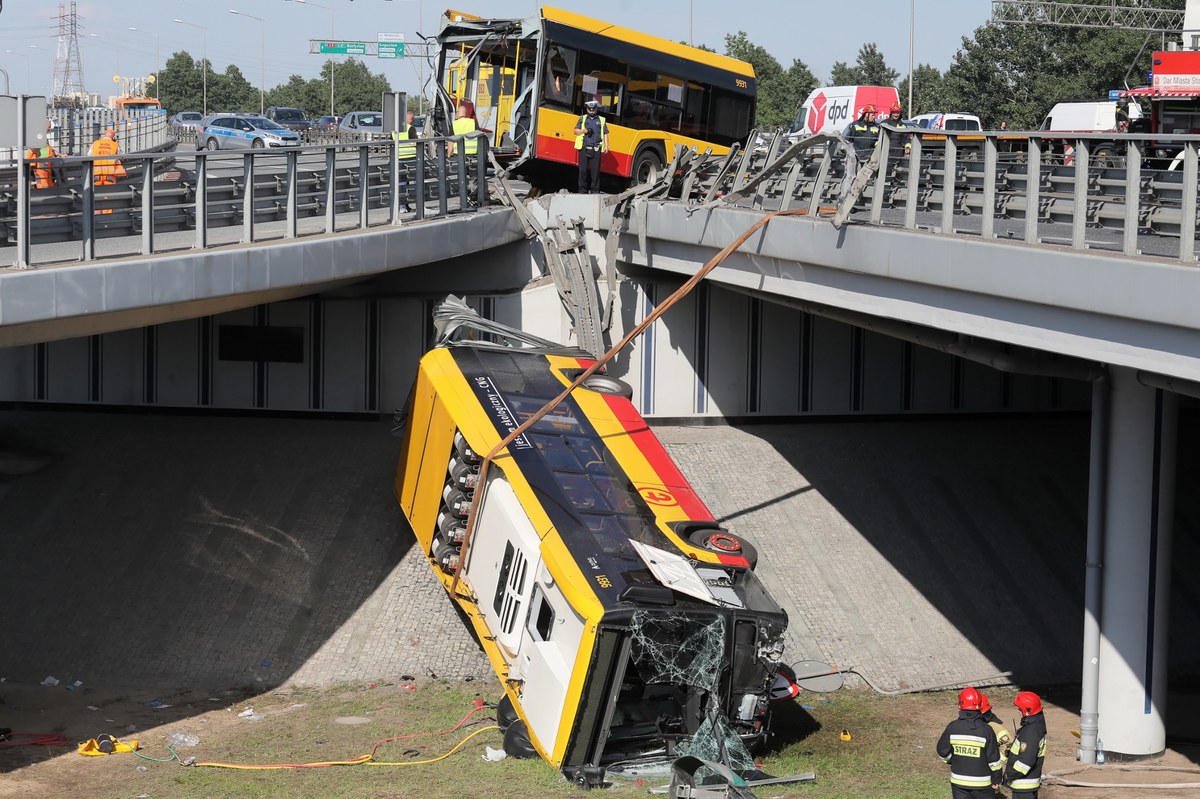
<point x="506" y="714"/>
<point x="604" y="384"/>
<point x="724" y="542"/>
<point x="647" y="164"/>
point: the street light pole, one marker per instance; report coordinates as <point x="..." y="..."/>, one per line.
<point x="26" y="57"/>
<point x="203" y="63"/>
<point x="156" y="53"/>
<point x="262" y="57"/>
<point x="912" y="24"/>
<point x="332" y="36"/>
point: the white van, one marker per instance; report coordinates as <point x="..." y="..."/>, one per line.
<point x="829" y="109"/>
<point x="1092" y="117"/>
<point x="940" y="121"/>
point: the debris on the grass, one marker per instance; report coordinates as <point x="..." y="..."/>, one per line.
<point x="182" y="740"/>
<point x="247" y="713"/>
<point x="494" y="755"/>
<point x="50" y="680"/>
<point x="92" y="707"/>
<point x="352" y="720"/>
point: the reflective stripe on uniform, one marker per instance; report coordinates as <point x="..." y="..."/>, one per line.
<point x="1025" y="785"/>
<point x="1021" y="767"/>
<point x="970" y="781"/>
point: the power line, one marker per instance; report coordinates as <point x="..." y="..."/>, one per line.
<point x="68" y="66"/>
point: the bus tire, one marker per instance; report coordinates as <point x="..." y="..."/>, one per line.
<point x="725" y="543"/>
<point x="647" y="165"/>
<point x="603" y="384"/>
<point x="517" y="743"/>
<point x="506" y="714"/>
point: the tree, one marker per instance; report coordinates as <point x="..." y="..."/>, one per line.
<point x="180" y="83"/>
<point x="870" y="69"/>
<point x="230" y="91"/>
<point x="356" y="88"/>
<point x="780" y="92"/>
<point x="310" y="96"/>
<point x="928" y="91"/>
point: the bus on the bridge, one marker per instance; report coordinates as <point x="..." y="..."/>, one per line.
<point x="621" y="619"/>
<point x="528" y="79"/>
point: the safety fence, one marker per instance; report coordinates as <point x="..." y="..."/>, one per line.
<point x="349" y="186"/>
<point x="75" y="130"/>
<point x="1131" y="194"/>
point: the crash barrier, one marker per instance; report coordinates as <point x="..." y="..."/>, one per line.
<point x="210" y="190"/>
<point x="1125" y="193"/>
<point x="186" y="137"/>
<point x="75" y="130"/>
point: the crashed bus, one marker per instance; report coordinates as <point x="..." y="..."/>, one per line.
<point x="624" y="623"/>
<point x="527" y="80"/>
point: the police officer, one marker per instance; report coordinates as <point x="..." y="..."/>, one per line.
<point x="863" y="132"/>
<point x="1023" y="772"/>
<point x="591" y="140"/>
<point x="970" y="748"/>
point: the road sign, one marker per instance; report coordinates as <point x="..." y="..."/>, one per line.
<point x="391" y="37"/>
<point x="344" y="48"/>
<point x="391" y="49"/>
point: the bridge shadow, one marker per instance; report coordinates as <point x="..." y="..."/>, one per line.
<point x="194" y="561"/>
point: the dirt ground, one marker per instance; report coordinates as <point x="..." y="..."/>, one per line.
<point x="33" y="772"/>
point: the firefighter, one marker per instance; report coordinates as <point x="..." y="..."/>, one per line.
<point x="43" y="169"/>
<point x="895" y="115"/>
<point x="863" y="132"/>
<point x="106" y="171"/>
<point x="969" y="746"/>
<point x="1003" y="736"/>
<point x="1023" y="772"/>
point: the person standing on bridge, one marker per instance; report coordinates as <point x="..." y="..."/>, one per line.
<point x="863" y="132"/>
<point x="1023" y="773"/>
<point x="970" y="748"/>
<point x="107" y="170"/>
<point x="464" y="125"/>
<point x="591" y="140"/>
<point x="43" y="169"/>
<point x="406" y="156"/>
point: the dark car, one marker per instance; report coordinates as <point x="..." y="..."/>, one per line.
<point x="326" y="122"/>
<point x="290" y="118"/>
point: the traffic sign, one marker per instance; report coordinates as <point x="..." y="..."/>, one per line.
<point x="391" y="37"/>
<point x="344" y="48"/>
<point x="391" y="49"/>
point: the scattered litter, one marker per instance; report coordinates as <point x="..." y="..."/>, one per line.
<point x="154" y="703"/>
<point x="3" y="679"/>
<point x="111" y="721"/>
<point x="92" y="707"/>
<point x="161" y="706"/>
<point x="190" y="761"/>
<point x="468" y="678"/>
<point x="408" y="677"/>
<point x="247" y="713"/>
<point x="255" y="717"/>
<point x="215" y="699"/>
<point x="352" y="720"/>
<point x="182" y="740"/>
<point x="142" y="769"/>
<point x="74" y="685"/>
<point x="50" y="681"/>
<point x="265" y="664"/>
<point x="494" y="755"/>
<point x="809" y="707"/>
<point x="845" y="735"/>
<point x="408" y="686"/>
<point x="297" y="705"/>
<point x="131" y="728"/>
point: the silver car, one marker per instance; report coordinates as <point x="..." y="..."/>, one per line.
<point x="187" y="119"/>
<point x="362" y="122"/>
<point x="243" y="132"/>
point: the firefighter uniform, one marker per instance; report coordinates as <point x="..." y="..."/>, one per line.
<point x="1023" y="772"/>
<point x="862" y="134"/>
<point x="969" y="746"/>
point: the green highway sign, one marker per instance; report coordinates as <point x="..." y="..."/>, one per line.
<point x="391" y="49"/>
<point x="344" y="48"/>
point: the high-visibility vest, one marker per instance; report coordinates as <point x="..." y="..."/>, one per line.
<point x="462" y="126"/>
<point x="582" y="125"/>
<point x="106" y="170"/>
<point x="43" y="177"/>
<point x="404" y="152"/>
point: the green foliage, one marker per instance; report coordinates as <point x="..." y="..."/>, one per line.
<point x="928" y="91"/>
<point x="180" y="83"/>
<point x="780" y="91"/>
<point x="870" y="69"/>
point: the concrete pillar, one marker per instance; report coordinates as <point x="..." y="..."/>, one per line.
<point x="1139" y="507"/>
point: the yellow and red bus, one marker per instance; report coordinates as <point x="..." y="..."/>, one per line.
<point x="623" y="622"/>
<point x="527" y="80"/>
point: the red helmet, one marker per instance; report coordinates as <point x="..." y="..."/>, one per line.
<point x="984" y="704"/>
<point x="969" y="699"/>
<point x="896" y="109"/>
<point x="869" y="108"/>
<point x="1028" y="703"/>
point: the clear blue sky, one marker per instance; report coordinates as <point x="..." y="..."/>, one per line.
<point x="818" y="33"/>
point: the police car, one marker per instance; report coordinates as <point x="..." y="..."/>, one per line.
<point x="236" y="132"/>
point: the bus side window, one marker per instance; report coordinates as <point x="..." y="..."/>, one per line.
<point x="541" y="616"/>
<point x="560" y="75"/>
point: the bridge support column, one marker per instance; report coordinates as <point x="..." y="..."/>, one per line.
<point x="1139" y="506"/>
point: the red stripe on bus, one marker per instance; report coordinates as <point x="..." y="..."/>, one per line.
<point x="562" y="149"/>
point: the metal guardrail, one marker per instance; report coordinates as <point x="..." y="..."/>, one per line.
<point x="1087" y="191"/>
<point x="249" y="189"/>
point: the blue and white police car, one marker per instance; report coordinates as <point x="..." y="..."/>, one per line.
<point x="248" y="132"/>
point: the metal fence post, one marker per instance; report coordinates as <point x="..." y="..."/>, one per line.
<point x="1033" y="189"/>
<point x="364" y="178"/>
<point x="1187" y="221"/>
<point x="394" y="181"/>
<point x="87" y="224"/>
<point x="814" y="202"/>
<point x="248" y="198"/>
<point x="1133" y="196"/>
<point x="24" y="248"/>
<point x="949" y="178"/>
<point x="881" y="174"/>
<point x="914" y="181"/>
<point x="148" y="205"/>
<point x="291" y="226"/>
<point x="988" y="228"/>
<point x="442" y="165"/>
<point x="481" y="163"/>
<point x="460" y="164"/>
<point x="201" y="215"/>
<point x="1080" y="195"/>
<point x="419" y="177"/>
<point x="330" y="189"/>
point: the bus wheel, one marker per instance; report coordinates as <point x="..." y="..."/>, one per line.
<point x="517" y="743"/>
<point x="603" y="384"/>
<point x="506" y="714"/>
<point x="646" y="166"/>
<point x="725" y="544"/>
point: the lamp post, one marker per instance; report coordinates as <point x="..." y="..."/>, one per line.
<point x="26" y="57"/>
<point x="156" y="62"/>
<point x="912" y="24"/>
<point x="204" y="63"/>
<point x="332" y="36"/>
<point x="262" y="57"/>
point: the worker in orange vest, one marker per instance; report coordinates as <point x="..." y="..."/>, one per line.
<point x="43" y="172"/>
<point x="106" y="171"/>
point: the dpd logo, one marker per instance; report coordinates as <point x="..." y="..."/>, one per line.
<point x="839" y="113"/>
<point x="817" y="118"/>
